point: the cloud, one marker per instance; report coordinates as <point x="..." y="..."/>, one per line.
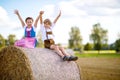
<point x="3" y="17"/>
<point x="69" y="9"/>
<point x="96" y="3"/>
<point x="84" y="14"/>
<point x="48" y="10"/>
<point x="6" y="24"/>
<point x="5" y="21"/>
<point x="91" y="7"/>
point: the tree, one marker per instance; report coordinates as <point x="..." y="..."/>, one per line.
<point x="105" y="47"/>
<point x="117" y="45"/>
<point x="98" y="36"/>
<point x="88" y="46"/>
<point x="39" y="41"/>
<point x="112" y="46"/>
<point x="75" y="41"/>
<point x="11" y="39"/>
<point x="2" y="41"/>
<point x="97" y="46"/>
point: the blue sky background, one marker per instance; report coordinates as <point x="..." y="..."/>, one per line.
<point x="81" y="13"/>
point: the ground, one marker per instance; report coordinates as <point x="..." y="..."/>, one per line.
<point x="99" y="68"/>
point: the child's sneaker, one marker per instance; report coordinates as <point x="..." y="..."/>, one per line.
<point x="65" y="58"/>
<point x="72" y="58"/>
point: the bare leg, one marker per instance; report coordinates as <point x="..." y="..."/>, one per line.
<point x="63" y="51"/>
<point x="71" y="58"/>
<point x="56" y="48"/>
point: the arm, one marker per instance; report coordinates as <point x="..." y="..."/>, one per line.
<point x="41" y="13"/>
<point x="57" y="18"/>
<point x="36" y="21"/>
<point x="17" y="13"/>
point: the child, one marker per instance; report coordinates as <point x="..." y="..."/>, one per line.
<point x="48" y="38"/>
<point x="29" y="39"/>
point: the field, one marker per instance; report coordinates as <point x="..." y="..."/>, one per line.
<point x="99" y="66"/>
<point x="103" y="66"/>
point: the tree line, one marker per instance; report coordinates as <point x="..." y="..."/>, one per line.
<point x="11" y="40"/>
<point x="98" y="38"/>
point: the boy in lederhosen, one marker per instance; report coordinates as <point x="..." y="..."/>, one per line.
<point x="48" y="38"/>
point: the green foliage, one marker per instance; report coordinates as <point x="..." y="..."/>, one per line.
<point x="112" y="46"/>
<point x="105" y="47"/>
<point x="40" y="43"/>
<point x="75" y="41"/>
<point x="6" y="42"/>
<point x="97" y="46"/>
<point x="11" y="39"/>
<point x="98" y="36"/>
<point x="39" y="38"/>
<point x="88" y="46"/>
<point x="117" y="45"/>
<point x="98" y="55"/>
<point x="2" y="41"/>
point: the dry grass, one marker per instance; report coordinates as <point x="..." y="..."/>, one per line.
<point x="18" y="63"/>
<point x="14" y="65"/>
<point x="47" y="65"/>
<point x="99" y="68"/>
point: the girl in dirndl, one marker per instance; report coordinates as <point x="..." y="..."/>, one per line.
<point x="29" y="39"/>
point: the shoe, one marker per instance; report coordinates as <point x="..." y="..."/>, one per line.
<point x="73" y="58"/>
<point x="65" y="58"/>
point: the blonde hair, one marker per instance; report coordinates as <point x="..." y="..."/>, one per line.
<point x="47" y="21"/>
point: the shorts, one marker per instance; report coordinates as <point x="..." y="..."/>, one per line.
<point x="48" y="43"/>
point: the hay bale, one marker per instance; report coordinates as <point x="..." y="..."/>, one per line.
<point x="47" y="65"/>
<point x="14" y="65"/>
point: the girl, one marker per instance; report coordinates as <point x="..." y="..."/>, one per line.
<point x="29" y="39"/>
<point x="48" y="38"/>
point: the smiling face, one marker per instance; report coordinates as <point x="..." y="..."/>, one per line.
<point x="47" y="23"/>
<point x="29" y="22"/>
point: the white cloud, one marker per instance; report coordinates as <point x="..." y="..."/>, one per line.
<point x="85" y="13"/>
<point x="92" y="7"/>
<point x="4" y="13"/>
<point x="5" y="21"/>
<point x="69" y="9"/>
<point x="96" y="3"/>
<point x="48" y="10"/>
<point x="6" y="24"/>
<point x="3" y="17"/>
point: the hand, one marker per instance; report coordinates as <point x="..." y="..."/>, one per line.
<point x="16" y="12"/>
<point x="41" y="12"/>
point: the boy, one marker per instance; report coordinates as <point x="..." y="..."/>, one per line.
<point x="48" y="38"/>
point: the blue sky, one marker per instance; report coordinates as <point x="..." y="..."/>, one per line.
<point x="81" y="13"/>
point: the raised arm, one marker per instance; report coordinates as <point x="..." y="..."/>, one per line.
<point x="21" y="20"/>
<point x="57" y="18"/>
<point x="36" y="21"/>
<point x="41" y="13"/>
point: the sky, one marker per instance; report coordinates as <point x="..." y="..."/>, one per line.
<point x="80" y="13"/>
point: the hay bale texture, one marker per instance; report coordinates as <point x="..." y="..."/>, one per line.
<point x="14" y="65"/>
<point x="35" y="64"/>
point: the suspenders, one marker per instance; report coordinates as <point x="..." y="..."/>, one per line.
<point x="47" y="33"/>
<point x="48" y="42"/>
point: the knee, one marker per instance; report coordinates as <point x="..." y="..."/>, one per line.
<point x="61" y="48"/>
<point x="56" y="48"/>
